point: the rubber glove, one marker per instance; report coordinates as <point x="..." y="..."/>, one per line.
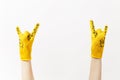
<point x="25" y="42"/>
<point x="98" y="41"/>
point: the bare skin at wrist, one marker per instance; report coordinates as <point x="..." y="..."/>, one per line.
<point x="27" y="73"/>
<point x="95" y="69"/>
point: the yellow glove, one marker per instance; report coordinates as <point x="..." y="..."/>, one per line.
<point x="98" y="40"/>
<point x="25" y="42"/>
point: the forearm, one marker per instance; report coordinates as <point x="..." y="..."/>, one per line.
<point x="95" y="69"/>
<point x="27" y="73"/>
<point x="97" y="47"/>
<point x="25" y="45"/>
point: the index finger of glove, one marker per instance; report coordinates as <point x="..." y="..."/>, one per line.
<point x="18" y="31"/>
<point x="92" y="27"/>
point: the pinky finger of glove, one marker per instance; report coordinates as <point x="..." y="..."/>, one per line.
<point x="35" y="30"/>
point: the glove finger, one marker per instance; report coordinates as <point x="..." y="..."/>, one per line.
<point x="35" y="30"/>
<point x="105" y="29"/>
<point x="92" y="28"/>
<point x="18" y="31"/>
<point x="26" y="35"/>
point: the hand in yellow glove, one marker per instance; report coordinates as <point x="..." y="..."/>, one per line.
<point x="25" y="42"/>
<point x="98" y="40"/>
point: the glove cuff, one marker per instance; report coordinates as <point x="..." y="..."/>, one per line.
<point x="96" y="55"/>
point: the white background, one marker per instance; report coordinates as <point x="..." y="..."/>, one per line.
<point x="61" y="50"/>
